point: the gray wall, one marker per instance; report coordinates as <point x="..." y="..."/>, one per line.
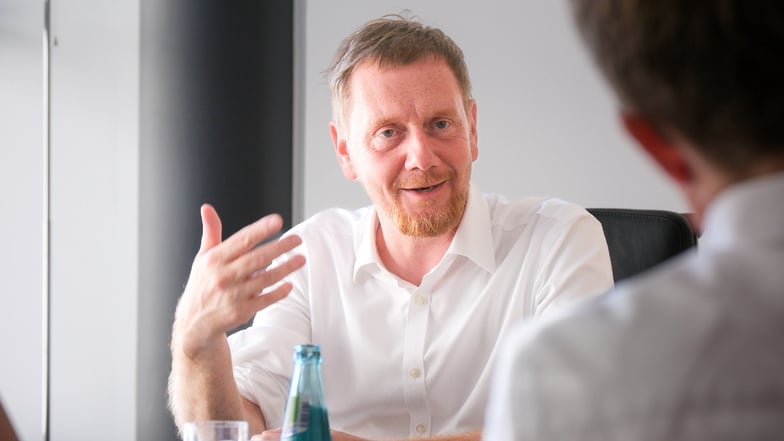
<point x="22" y="213"/>
<point x="94" y="168"/>
<point x="546" y="127"/>
<point x="89" y="194"/>
<point x="546" y="121"/>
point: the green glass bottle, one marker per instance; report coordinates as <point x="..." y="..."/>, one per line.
<point x="306" y="418"/>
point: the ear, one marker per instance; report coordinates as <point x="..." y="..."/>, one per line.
<point x="473" y="134"/>
<point x="341" y="150"/>
<point x="668" y="155"/>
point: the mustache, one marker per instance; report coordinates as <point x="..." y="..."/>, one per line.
<point x="421" y="179"/>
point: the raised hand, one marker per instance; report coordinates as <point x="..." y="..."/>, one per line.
<point x="231" y="280"/>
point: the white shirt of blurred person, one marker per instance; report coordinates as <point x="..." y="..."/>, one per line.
<point x="692" y="349"/>
<point x="409" y="297"/>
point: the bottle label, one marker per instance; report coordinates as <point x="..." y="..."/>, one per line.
<point x="297" y="416"/>
<point x="305" y="421"/>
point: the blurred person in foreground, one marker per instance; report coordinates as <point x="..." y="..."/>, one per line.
<point x="693" y="349"/>
<point x="408" y="297"/>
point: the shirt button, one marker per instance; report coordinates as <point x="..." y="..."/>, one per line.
<point x="420" y="299"/>
<point x="420" y="428"/>
<point x="416" y="373"/>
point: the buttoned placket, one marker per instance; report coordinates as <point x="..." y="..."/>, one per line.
<point x="413" y="369"/>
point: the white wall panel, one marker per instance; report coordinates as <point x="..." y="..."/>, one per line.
<point x="94" y="219"/>
<point x="22" y="214"/>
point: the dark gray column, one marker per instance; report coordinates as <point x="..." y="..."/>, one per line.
<point x="216" y="126"/>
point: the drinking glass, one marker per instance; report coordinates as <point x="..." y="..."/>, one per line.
<point x="215" y="431"/>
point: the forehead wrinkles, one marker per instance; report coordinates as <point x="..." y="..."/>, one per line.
<point x="343" y="97"/>
<point x="424" y="89"/>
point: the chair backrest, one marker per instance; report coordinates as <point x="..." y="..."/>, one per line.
<point x="641" y="239"/>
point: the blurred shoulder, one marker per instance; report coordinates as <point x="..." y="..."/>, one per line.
<point x="627" y="323"/>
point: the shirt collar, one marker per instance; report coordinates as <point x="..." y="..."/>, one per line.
<point x="365" y="243"/>
<point x="749" y="212"/>
<point x="474" y="236"/>
<point x="473" y="239"/>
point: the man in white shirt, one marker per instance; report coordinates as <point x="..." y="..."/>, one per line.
<point x="407" y="298"/>
<point x="693" y="349"/>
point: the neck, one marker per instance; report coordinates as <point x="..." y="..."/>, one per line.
<point x="407" y="257"/>
<point x="708" y="180"/>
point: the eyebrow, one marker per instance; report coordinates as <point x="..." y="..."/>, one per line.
<point x="442" y="113"/>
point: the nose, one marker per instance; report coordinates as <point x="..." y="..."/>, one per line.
<point x="419" y="152"/>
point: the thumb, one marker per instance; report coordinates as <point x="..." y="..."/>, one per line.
<point x="211" y="228"/>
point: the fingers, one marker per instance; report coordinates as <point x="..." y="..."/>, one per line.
<point x="250" y="236"/>
<point x="267" y="435"/>
<point x="228" y="276"/>
<point x="261" y="257"/>
<point x="269" y="277"/>
<point x="211" y="228"/>
<point x="261" y="301"/>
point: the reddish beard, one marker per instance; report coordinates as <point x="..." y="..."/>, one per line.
<point x="433" y="222"/>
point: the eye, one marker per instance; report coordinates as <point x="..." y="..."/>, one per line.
<point x="385" y="138"/>
<point x="387" y="133"/>
<point x="441" y="124"/>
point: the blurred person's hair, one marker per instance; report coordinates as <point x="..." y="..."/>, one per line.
<point x="712" y="70"/>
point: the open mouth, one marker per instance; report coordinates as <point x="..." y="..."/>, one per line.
<point x="425" y="189"/>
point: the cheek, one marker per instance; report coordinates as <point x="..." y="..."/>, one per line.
<point x="375" y="175"/>
<point x="463" y="157"/>
<point x="378" y="167"/>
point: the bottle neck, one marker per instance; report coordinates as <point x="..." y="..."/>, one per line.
<point x="307" y="381"/>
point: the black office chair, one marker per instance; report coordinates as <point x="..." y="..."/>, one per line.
<point x="640" y="239"/>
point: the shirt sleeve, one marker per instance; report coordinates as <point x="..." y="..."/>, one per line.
<point x="576" y="264"/>
<point x="261" y="372"/>
<point x="262" y="355"/>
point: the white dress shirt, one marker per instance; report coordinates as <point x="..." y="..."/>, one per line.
<point x="401" y="360"/>
<point x="693" y="350"/>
